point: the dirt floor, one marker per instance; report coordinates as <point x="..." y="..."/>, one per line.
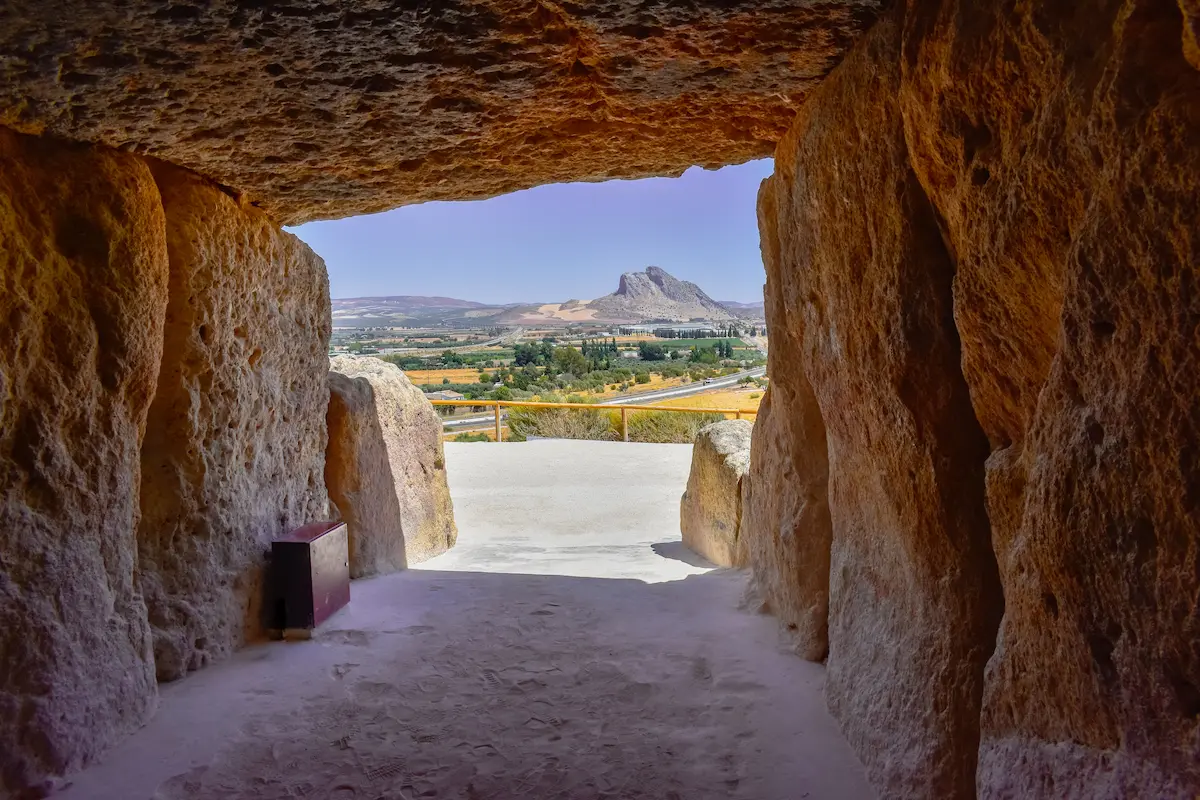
<point x="569" y="647"/>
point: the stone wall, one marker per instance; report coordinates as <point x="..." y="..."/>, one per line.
<point x="83" y="290"/>
<point x="359" y="478"/>
<point x="986" y="223"/>
<point x="235" y="444"/>
<point x="786" y="528"/>
<point x="1064" y="164"/>
<point x="411" y="432"/>
<point x="914" y="595"/>
<point x="710" y="511"/>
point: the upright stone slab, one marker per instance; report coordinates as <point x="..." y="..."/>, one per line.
<point x="359" y="478"/>
<point x="710" y="511"/>
<point x="235" y="447"/>
<point x="914" y="593"/>
<point x="412" y="433"/>
<point x="83" y="290"/>
<point x="1060" y="149"/>
<point x="786" y="528"/>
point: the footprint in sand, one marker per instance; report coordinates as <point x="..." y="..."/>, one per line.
<point x="492" y="680"/>
<point x="350" y="637"/>
<point x="340" y="671"/>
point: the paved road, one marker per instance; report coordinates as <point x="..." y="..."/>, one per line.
<point x="697" y="387"/>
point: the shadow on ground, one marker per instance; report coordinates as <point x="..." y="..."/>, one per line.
<point x="491" y="685"/>
<point x="678" y="551"/>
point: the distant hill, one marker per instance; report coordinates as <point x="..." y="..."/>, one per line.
<point x="656" y="294"/>
<point x="640" y="297"/>
<point x="747" y="310"/>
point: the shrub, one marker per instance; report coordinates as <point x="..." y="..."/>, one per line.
<point x="472" y="437"/>
<point x="642" y="377"/>
<point x="666" y="426"/>
<point x="755" y="395"/>
<point x="558" y="423"/>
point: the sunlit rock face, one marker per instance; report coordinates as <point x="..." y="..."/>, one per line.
<point x="317" y="109"/>
<point x="986" y="223"/>
<point x="359" y="478"/>
<point x="393" y="415"/>
<point x="234" y="452"/>
<point x="914" y="598"/>
<point x="710" y="511"/>
<point x="83" y="291"/>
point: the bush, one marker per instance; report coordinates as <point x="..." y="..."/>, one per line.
<point x="559" y="423"/>
<point x="755" y="395"/>
<point x="667" y="426"/>
<point x="472" y="437"/>
<point x="642" y="377"/>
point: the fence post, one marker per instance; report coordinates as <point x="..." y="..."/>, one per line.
<point x="498" y="439"/>
<point x="738" y="415"/>
<point x="624" y="424"/>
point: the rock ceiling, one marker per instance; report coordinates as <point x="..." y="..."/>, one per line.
<point x="326" y="108"/>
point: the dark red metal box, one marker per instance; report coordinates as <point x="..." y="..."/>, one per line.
<point x="311" y="574"/>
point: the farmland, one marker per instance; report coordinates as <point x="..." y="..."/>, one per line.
<point x="746" y="399"/>
<point x="425" y="376"/>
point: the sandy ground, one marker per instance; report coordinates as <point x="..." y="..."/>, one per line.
<point x="569" y="647"/>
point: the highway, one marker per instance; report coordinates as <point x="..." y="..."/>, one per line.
<point x="696" y="387"/>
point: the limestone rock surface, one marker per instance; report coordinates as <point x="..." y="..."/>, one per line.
<point x="657" y="294"/>
<point x="786" y="528"/>
<point x="318" y="110"/>
<point x="412" y="433"/>
<point x="710" y="511"/>
<point x="235" y="443"/>
<point x="359" y="478"/>
<point x="914" y="592"/>
<point x="83" y="291"/>
<point x="1059" y="148"/>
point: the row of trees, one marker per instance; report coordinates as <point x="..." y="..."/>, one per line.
<point x="731" y="331"/>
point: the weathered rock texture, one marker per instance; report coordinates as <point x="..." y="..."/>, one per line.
<point x="359" y="478"/>
<point x="710" y="511"/>
<point x="83" y="290"/>
<point x="1035" y="165"/>
<point x="1060" y="149"/>
<point x="317" y="109"/>
<point x="412" y="432"/>
<point x="235" y="444"/>
<point x="786" y="528"/>
<point x="914" y="593"/>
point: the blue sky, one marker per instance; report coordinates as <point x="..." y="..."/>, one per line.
<point x="557" y="242"/>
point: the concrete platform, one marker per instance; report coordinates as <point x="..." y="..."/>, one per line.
<point x="567" y="648"/>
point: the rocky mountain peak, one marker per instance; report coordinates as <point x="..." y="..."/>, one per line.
<point x="657" y="294"/>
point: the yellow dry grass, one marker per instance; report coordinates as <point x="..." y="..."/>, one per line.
<point x="422" y="376"/>
<point x="724" y="398"/>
